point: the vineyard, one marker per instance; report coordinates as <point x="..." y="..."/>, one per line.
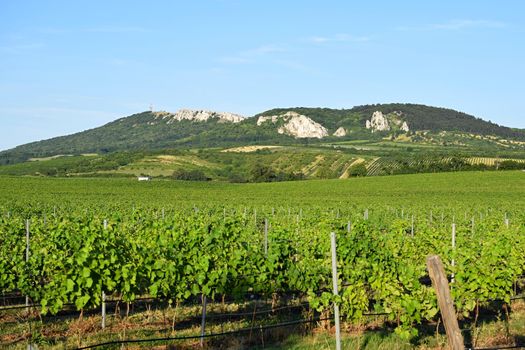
<point x="404" y="165"/>
<point x="75" y="256"/>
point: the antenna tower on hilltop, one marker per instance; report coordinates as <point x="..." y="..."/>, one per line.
<point x="151" y="107"/>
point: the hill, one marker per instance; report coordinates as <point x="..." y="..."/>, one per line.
<point x="405" y="125"/>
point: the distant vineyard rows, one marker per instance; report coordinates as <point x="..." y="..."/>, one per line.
<point x="389" y="165"/>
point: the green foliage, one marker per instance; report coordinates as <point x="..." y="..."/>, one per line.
<point x="511" y="165"/>
<point x="142" y="133"/>
<point x="190" y="175"/>
<point x="358" y="170"/>
<point x="217" y="247"/>
<point x="421" y="117"/>
<point x="213" y="252"/>
<point x="263" y="173"/>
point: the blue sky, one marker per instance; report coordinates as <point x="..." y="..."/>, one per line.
<point x="66" y="66"/>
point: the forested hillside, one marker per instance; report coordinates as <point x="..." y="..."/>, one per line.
<point x="146" y="131"/>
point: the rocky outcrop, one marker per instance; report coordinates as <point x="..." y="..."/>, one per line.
<point x="264" y="119"/>
<point x="197" y="116"/>
<point x="296" y="125"/>
<point x="381" y="122"/>
<point x="341" y="132"/>
<point x="378" y="122"/>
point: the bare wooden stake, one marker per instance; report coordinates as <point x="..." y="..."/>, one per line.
<point x="103" y="310"/>
<point x="445" y="302"/>
<point x="453" y="262"/>
<point x="203" y="321"/>
<point x="27" y="251"/>
<point x="336" y="291"/>
<point x="104" y="294"/>
<point x="265" y="236"/>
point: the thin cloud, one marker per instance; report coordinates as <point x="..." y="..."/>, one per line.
<point x="235" y="60"/>
<point x="468" y="23"/>
<point x="265" y="49"/>
<point x="21" y="48"/>
<point x="457" y="24"/>
<point x="116" y="29"/>
<point x="293" y="65"/>
<point x="338" y="38"/>
<point x="253" y="55"/>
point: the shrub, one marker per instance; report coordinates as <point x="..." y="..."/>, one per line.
<point x="190" y="175"/>
<point x="358" y="170"/>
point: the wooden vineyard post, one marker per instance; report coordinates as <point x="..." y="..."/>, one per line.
<point x="453" y="262"/>
<point x="27" y="252"/>
<point x="412" y="227"/>
<point x="349" y="227"/>
<point x="336" y="291"/>
<point x="103" y="322"/>
<point x="203" y="321"/>
<point x="266" y="236"/>
<point x="445" y="302"/>
<point x="365" y="215"/>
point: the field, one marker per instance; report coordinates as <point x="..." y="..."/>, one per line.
<point x="456" y="190"/>
<point x="252" y="247"/>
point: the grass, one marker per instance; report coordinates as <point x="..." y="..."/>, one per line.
<point x="484" y="189"/>
<point x="157" y="321"/>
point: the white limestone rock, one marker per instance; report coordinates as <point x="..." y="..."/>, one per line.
<point x="263" y="119"/>
<point x="341" y="132"/>
<point x="381" y="122"/>
<point x="378" y="122"/>
<point x="197" y="116"/>
<point x="296" y="125"/>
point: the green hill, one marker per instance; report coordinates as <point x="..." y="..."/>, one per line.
<point x="154" y="131"/>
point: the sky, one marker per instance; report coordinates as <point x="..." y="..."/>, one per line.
<point x="67" y="66"/>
